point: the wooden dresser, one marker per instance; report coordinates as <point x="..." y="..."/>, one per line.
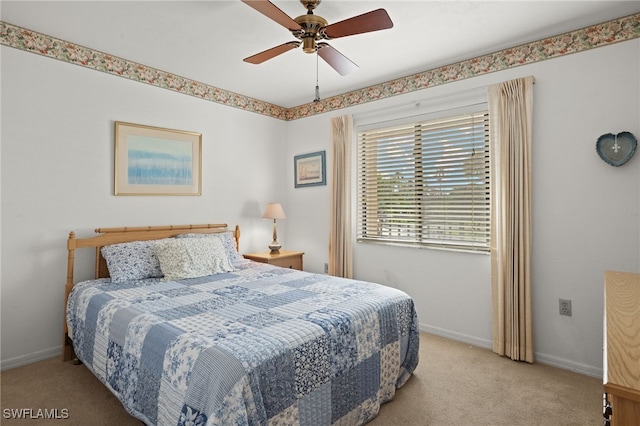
<point x="622" y="348"/>
<point x="284" y="259"/>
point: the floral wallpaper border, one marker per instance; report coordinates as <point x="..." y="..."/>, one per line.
<point x="614" y="31"/>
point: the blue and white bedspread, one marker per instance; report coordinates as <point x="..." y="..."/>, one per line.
<point x="258" y="346"/>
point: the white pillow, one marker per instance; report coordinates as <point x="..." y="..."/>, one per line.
<point x="192" y="258"/>
<point x="228" y="241"/>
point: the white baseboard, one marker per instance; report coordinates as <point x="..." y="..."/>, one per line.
<point x="565" y="364"/>
<point x="554" y="361"/>
<point x="458" y="337"/>
<point x="19" y="361"/>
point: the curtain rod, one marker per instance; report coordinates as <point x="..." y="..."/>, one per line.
<point x="417" y="102"/>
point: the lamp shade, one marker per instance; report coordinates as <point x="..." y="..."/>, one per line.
<point x="274" y="211"/>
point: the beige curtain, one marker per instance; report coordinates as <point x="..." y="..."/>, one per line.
<point x="510" y="112"/>
<point x="340" y="260"/>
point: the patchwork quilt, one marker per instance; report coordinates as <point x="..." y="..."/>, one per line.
<point x="261" y="345"/>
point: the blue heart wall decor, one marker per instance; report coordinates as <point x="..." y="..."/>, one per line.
<point x="616" y="149"/>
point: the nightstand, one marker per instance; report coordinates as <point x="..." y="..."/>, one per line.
<point x="284" y="259"/>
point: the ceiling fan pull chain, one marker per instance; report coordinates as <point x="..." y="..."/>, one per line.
<point x="317" y="98"/>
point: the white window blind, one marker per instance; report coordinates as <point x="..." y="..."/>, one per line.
<point x="426" y="183"/>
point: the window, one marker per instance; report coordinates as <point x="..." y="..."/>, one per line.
<point x="426" y="183"/>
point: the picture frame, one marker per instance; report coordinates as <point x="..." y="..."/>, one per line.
<point x="310" y="169"/>
<point x="156" y="161"/>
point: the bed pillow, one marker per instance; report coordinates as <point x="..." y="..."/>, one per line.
<point x="192" y="257"/>
<point x="136" y="260"/>
<point x="228" y="241"/>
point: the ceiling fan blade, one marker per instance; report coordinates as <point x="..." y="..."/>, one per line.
<point x="371" y="21"/>
<point x="259" y="58"/>
<point x="337" y="60"/>
<point x="271" y="11"/>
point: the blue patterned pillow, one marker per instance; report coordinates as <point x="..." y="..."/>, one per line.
<point x="228" y="241"/>
<point x="136" y="260"/>
<point x="192" y="258"/>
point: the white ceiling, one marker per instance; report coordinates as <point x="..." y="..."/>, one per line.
<point x="207" y="40"/>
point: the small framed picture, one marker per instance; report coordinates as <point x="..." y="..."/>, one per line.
<point x="156" y="161"/>
<point x="310" y="169"/>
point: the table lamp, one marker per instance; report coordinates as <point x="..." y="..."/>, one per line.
<point x="274" y="211"/>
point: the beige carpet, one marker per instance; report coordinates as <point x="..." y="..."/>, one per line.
<point x="455" y="384"/>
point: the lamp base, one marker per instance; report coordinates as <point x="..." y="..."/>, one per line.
<point x="275" y="247"/>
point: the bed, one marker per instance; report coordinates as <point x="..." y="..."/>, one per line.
<point x="234" y="342"/>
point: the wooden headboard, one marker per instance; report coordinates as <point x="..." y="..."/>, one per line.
<point x="122" y="235"/>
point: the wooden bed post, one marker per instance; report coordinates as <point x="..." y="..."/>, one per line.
<point x="67" y="348"/>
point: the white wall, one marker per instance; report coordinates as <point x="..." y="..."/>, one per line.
<point x="57" y="177"/>
<point x="586" y="214"/>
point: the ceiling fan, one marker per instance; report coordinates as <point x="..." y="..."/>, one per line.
<point x="309" y="29"/>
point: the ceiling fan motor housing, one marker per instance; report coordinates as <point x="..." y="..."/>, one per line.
<point x="311" y="26"/>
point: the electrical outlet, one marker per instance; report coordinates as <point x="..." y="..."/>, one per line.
<point x="565" y="307"/>
<point x="326" y="268"/>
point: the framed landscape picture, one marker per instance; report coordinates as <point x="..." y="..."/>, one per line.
<point x="156" y="161"/>
<point x="309" y="169"/>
